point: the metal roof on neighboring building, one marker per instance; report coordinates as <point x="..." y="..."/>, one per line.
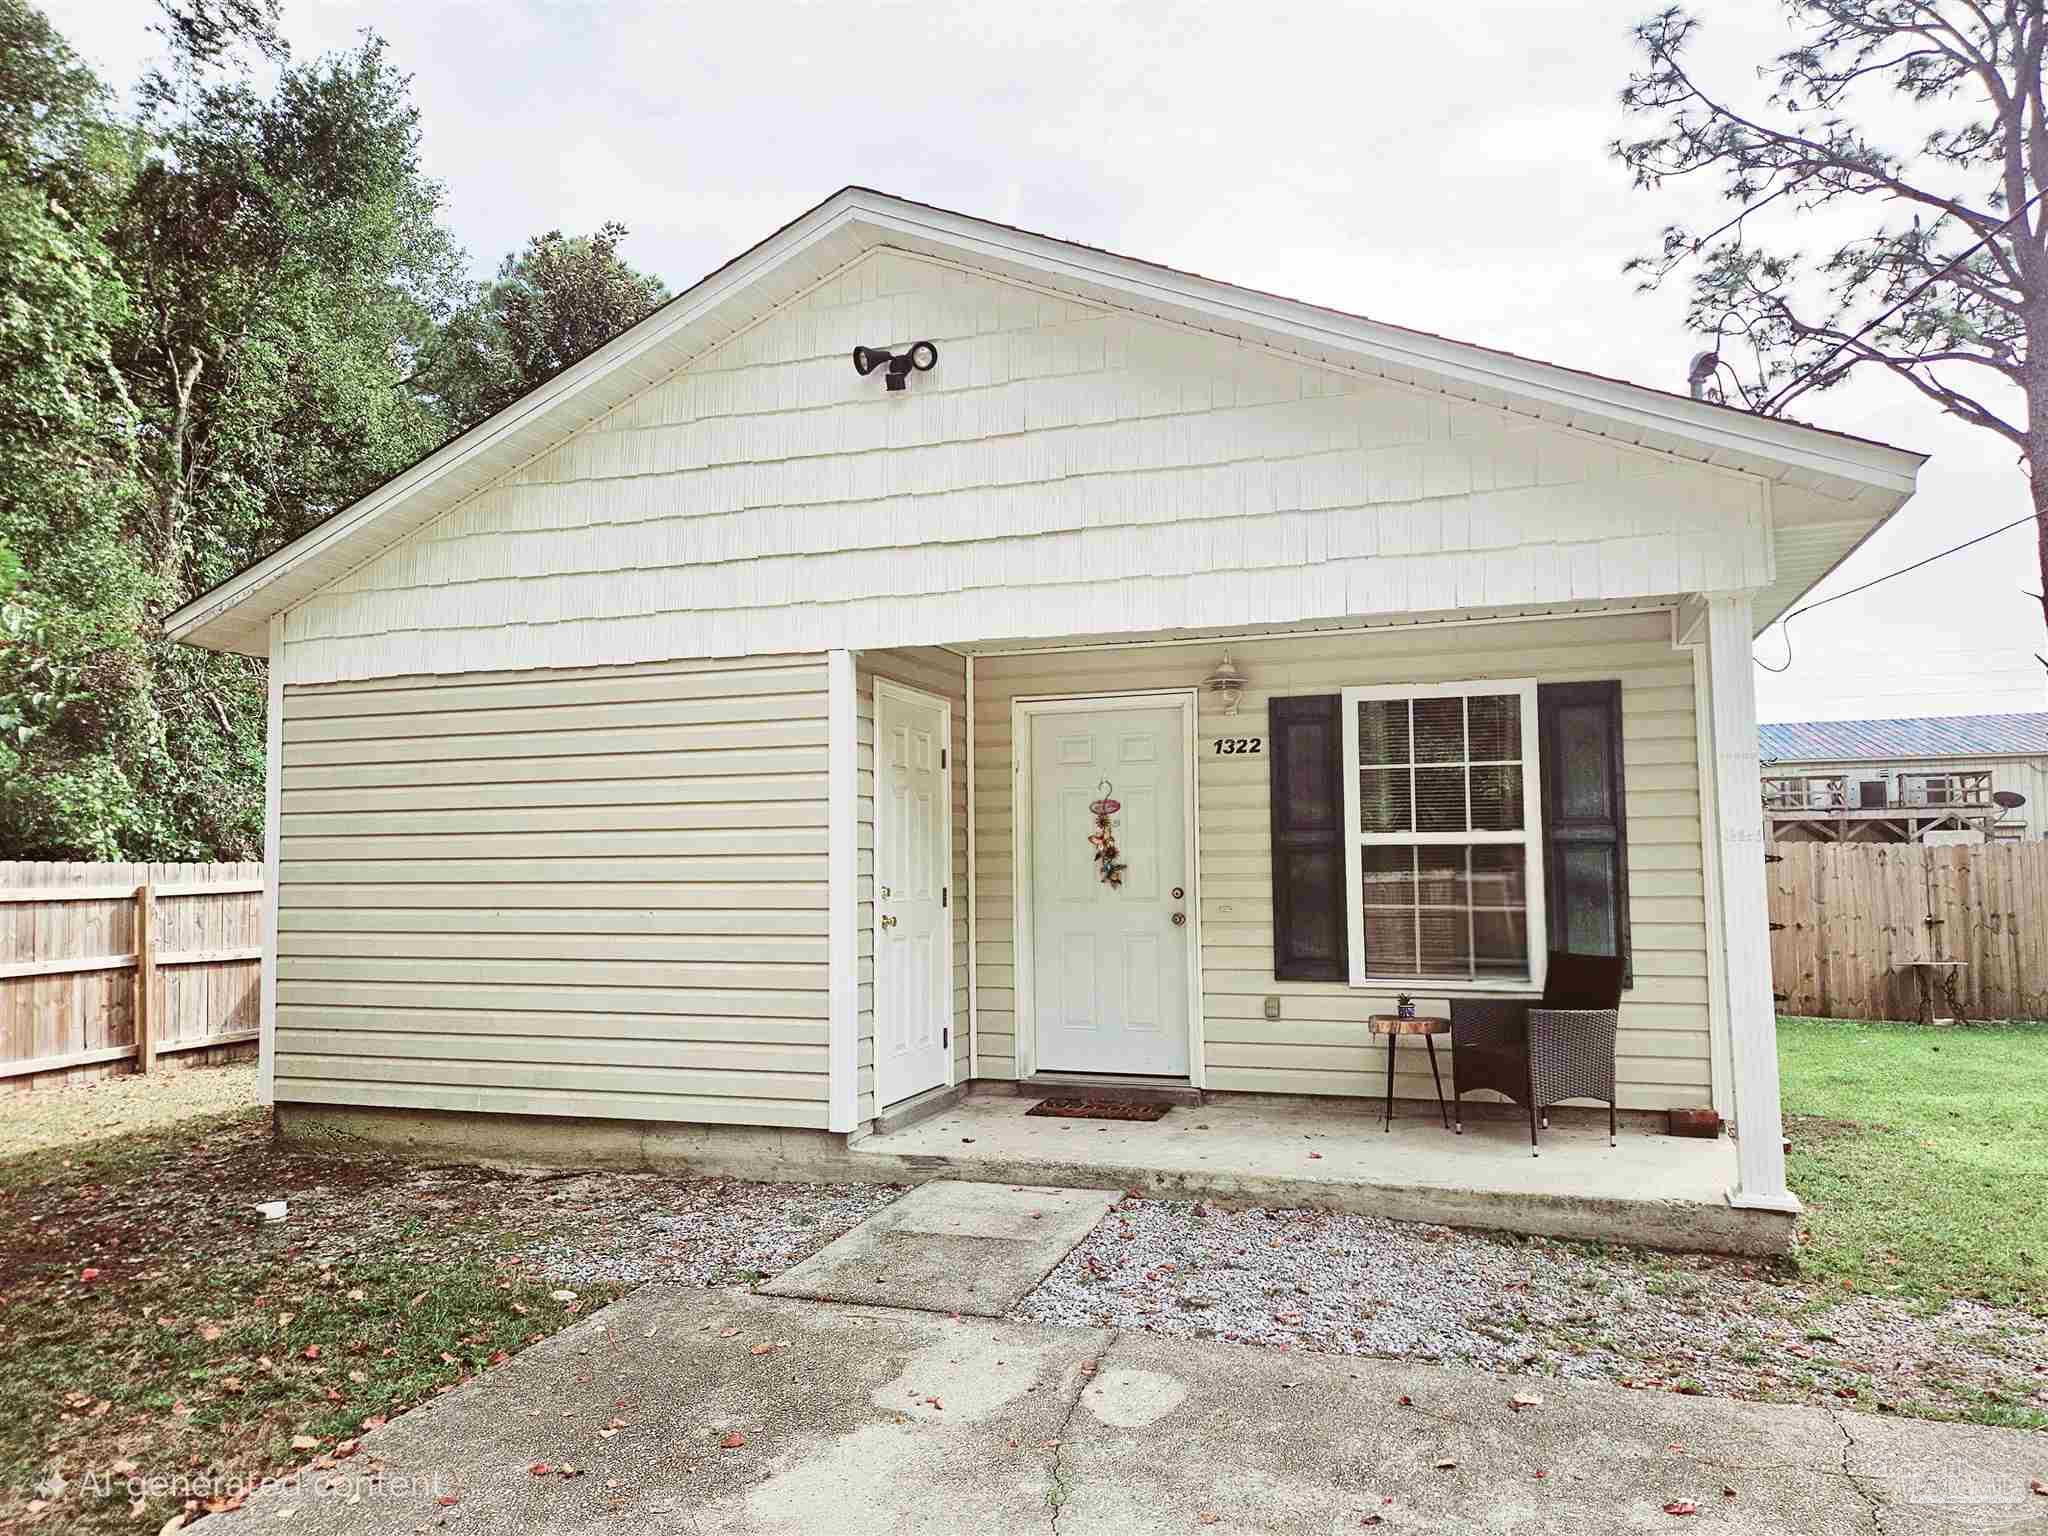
<point x="1828" y="741"/>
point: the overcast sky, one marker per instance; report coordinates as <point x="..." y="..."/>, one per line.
<point x="1440" y="166"/>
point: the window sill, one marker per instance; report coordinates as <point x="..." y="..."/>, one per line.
<point x="1419" y="987"/>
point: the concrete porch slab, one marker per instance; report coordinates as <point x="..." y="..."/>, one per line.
<point x="1657" y="1191"/>
<point x="970" y="1248"/>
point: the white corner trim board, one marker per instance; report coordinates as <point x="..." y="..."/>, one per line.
<point x="273" y="782"/>
<point x="842" y="788"/>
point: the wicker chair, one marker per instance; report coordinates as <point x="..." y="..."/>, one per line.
<point x="1538" y="1053"/>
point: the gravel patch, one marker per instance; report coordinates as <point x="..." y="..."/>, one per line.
<point x="195" y="1195"/>
<point x="115" y="1106"/>
<point x="1296" y="1279"/>
<point x="631" y="1229"/>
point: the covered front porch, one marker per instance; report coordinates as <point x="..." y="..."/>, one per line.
<point x="1655" y="1190"/>
<point x="1221" y="964"/>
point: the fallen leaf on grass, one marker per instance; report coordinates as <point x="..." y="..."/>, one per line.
<point x="540" y="1469"/>
<point x="733" y="1440"/>
<point x="304" y="1443"/>
<point x="1207" y="1517"/>
<point x="1407" y="1401"/>
<point x="762" y="1349"/>
<point x="1446" y="1463"/>
<point x="2037" y="1486"/>
<point x="728" y="1333"/>
<point x="447" y="1500"/>
<point x="1523" y="1400"/>
<point x="562" y="1295"/>
<point x="1681" y="1507"/>
<point x="209" y="1332"/>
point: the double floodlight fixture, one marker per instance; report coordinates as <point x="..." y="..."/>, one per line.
<point x="921" y="355"/>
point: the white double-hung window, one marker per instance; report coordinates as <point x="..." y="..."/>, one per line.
<point x="1445" y="882"/>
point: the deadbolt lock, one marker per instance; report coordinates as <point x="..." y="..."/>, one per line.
<point x="1178" y="893"/>
<point x="885" y="890"/>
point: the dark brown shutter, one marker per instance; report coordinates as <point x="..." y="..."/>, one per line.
<point x="1585" y="824"/>
<point x="1310" y="934"/>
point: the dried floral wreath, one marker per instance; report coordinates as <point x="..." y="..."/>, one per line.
<point x="1109" y="862"/>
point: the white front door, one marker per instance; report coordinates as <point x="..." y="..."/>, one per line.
<point x="913" y="917"/>
<point x="1109" y="961"/>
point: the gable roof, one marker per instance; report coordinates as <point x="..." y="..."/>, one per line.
<point x="1831" y="490"/>
<point x="1826" y="741"/>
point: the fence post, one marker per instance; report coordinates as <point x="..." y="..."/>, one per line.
<point x="145" y="977"/>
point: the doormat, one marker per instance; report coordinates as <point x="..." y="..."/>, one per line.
<point x="1097" y="1109"/>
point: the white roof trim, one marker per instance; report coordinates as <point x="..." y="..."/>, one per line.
<point x="883" y="220"/>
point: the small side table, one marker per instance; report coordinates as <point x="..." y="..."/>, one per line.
<point x="1393" y="1026"/>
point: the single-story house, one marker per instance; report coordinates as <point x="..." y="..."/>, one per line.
<point x="1935" y="778"/>
<point x="1142" y="678"/>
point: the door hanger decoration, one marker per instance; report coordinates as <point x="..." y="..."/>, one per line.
<point x="1109" y="862"/>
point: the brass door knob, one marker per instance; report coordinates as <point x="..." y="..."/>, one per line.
<point x="888" y="922"/>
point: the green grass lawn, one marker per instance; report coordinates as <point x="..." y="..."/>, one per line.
<point x="154" y="1328"/>
<point x="1922" y="1156"/>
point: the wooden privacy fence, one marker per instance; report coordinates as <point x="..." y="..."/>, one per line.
<point x="1861" y="928"/>
<point x="108" y="963"/>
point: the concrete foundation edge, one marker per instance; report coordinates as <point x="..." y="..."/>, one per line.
<point x="809" y="1156"/>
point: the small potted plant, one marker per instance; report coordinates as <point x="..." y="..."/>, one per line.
<point x="1404" y="1006"/>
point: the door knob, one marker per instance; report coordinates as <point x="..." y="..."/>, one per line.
<point x="1180" y="919"/>
<point x="888" y="922"/>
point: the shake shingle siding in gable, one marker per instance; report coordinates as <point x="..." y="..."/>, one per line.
<point x="1062" y="459"/>
<point x="598" y="892"/>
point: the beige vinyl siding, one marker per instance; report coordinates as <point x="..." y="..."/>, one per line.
<point x="1067" y="468"/>
<point x="580" y="892"/>
<point x="1319" y="1045"/>
<point x="942" y="673"/>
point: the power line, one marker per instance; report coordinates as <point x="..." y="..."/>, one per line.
<point x="1786" y="622"/>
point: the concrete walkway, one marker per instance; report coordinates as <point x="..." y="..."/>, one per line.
<point x="857" y="1419"/>
<point x="1660" y="1191"/>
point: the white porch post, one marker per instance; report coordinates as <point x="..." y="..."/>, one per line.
<point x="842" y="1032"/>
<point x="1745" y="914"/>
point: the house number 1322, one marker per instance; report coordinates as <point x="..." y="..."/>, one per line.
<point x="1228" y="745"/>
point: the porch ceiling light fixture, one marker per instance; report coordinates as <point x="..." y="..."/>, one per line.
<point x="921" y="355"/>
<point x="1227" y="683"/>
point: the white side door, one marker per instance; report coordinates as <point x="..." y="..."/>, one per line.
<point x="913" y="916"/>
<point x="1109" y="963"/>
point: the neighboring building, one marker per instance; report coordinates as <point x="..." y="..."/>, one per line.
<point x="1940" y="778"/>
<point x="715" y="736"/>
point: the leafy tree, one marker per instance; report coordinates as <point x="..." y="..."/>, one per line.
<point x="73" y="596"/>
<point x="559" y="299"/>
<point x="207" y="321"/>
<point x="1943" y="278"/>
